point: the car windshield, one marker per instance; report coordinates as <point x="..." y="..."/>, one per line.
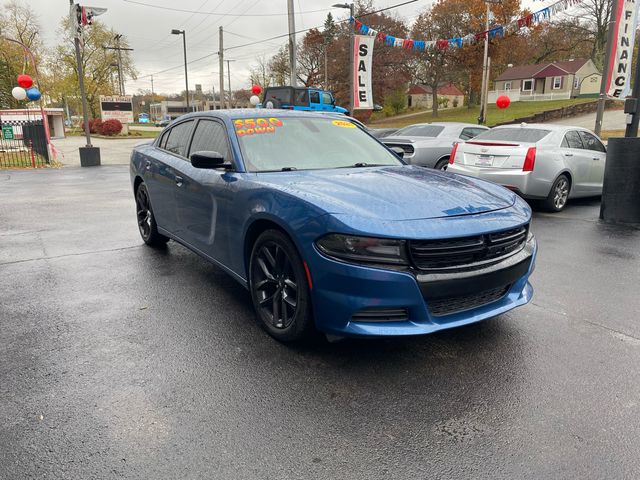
<point x="420" y="131"/>
<point x="296" y="143"/>
<point x="519" y="134"/>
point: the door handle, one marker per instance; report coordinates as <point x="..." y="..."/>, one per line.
<point x="179" y="180"/>
<point x="568" y="154"/>
<point x="596" y="158"/>
<point x="147" y="165"/>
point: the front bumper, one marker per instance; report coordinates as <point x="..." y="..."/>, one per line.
<point x="341" y="291"/>
<point x="525" y="184"/>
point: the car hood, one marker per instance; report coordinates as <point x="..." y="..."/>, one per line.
<point x="391" y="193"/>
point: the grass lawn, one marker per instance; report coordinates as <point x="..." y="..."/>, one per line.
<point x="464" y="114"/>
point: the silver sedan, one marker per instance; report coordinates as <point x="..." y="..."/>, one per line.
<point x="547" y="162"/>
<point x="429" y="144"/>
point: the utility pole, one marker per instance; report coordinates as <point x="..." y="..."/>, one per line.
<point x="486" y="90"/>
<point x="351" y="56"/>
<point x="221" y="59"/>
<point x="119" y="49"/>
<point x="602" y="99"/>
<point x="292" y="43"/>
<point x="483" y="114"/>
<point x="229" y="80"/>
<point x="152" y="92"/>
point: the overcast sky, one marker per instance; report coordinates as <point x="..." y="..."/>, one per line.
<point x="148" y="30"/>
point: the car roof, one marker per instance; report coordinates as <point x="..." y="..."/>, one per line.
<point x="445" y="124"/>
<point x="260" y="112"/>
<point x="554" y="127"/>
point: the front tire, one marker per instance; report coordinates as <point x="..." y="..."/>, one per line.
<point x="279" y="290"/>
<point x="559" y="194"/>
<point x="146" y="221"/>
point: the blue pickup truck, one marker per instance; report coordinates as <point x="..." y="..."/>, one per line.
<point x="296" y="98"/>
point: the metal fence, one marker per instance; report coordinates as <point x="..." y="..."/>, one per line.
<point x="23" y="143"/>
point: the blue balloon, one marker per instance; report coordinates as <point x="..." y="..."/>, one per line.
<point x="33" y="94"/>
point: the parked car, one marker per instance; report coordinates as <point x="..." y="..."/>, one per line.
<point x="163" y="123"/>
<point x="429" y="144"/>
<point x="330" y="230"/>
<point x="382" y="132"/>
<point x="295" y="98"/>
<point x="546" y="162"/>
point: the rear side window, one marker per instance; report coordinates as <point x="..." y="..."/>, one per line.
<point x="591" y="142"/>
<point x="281" y="94"/>
<point x="302" y="98"/>
<point x="525" y="135"/>
<point x="178" y="138"/>
<point x="421" y="131"/>
<point x="572" y="140"/>
<point x="210" y="136"/>
<point x="314" y="97"/>
<point x="470" y="132"/>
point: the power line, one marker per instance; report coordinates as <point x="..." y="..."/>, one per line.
<point x="173" y="9"/>
<point x="271" y="38"/>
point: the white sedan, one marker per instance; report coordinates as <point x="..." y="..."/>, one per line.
<point x="538" y="161"/>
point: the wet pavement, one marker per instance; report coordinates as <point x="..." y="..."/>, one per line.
<point x="119" y="361"/>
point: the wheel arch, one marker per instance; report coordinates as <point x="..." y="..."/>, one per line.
<point x="566" y="173"/>
<point x="136" y="183"/>
<point x="253" y="231"/>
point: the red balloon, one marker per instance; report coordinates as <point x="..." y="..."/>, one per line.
<point x="256" y="89"/>
<point x="25" y="81"/>
<point x="503" y="102"/>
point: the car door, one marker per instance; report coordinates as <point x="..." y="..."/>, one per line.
<point x="327" y="102"/>
<point x="203" y="197"/>
<point x="577" y="159"/>
<point x="314" y="100"/>
<point x="598" y="154"/>
<point x="161" y="173"/>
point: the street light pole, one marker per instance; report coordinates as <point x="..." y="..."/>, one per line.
<point x="229" y="79"/>
<point x="186" y="78"/>
<point x="351" y="59"/>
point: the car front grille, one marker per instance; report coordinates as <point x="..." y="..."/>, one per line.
<point x="447" y="306"/>
<point x="465" y="252"/>
<point x="408" y="149"/>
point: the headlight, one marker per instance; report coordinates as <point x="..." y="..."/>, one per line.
<point x="364" y="249"/>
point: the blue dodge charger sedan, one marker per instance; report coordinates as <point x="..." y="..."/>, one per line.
<point x="328" y="228"/>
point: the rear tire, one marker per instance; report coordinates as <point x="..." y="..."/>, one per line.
<point x="146" y="221"/>
<point x="558" y="195"/>
<point x="279" y="290"/>
<point x="272" y="103"/>
<point x="442" y="165"/>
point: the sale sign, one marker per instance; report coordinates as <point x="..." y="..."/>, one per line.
<point x="362" y="55"/>
<point x="619" y="68"/>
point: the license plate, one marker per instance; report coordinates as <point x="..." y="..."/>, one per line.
<point x="484" y="160"/>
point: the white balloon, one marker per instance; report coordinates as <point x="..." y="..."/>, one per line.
<point x="254" y="100"/>
<point x="19" y="93"/>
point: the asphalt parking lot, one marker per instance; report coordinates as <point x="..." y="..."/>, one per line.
<point x="119" y="361"/>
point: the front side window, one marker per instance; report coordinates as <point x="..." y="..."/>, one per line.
<point x="557" y="83"/>
<point x="527" y="85"/>
<point x="420" y="131"/>
<point x="210" y="136"/>
<point x="299" y="143"/>
<point x="572" y="140"/>
<point x="591" y="142"/>
<point x="178" y="139"/>
<point x="326" y="99"/>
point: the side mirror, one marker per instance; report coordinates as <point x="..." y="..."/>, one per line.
<point x="209" y="160"/>
<point x="377" y="108"/>
<point x="398" y="151"/>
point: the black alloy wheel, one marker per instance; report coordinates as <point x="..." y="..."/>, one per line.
<point x="279" y="288"/>
<point x="146" y="221"/>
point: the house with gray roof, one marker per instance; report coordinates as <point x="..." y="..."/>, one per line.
<point x="548" y="81"/>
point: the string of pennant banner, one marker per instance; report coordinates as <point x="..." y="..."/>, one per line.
<point x="470" y="39"/>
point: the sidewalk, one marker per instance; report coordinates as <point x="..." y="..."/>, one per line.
<point x="112" y="151"/>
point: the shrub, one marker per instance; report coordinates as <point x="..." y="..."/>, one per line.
<point x="455" y="102"/>
<point x="110" y="127"/>
<point x="94" y="125"/>
<point x="396" y="101"/>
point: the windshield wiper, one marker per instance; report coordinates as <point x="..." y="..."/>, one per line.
<point x="364" y="164"/>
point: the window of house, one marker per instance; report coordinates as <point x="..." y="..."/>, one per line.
<point x="557" y="83"/>
<point x="507" y="85"/>
<point x="527" y="85"/>
<point x="576" y="82"/>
